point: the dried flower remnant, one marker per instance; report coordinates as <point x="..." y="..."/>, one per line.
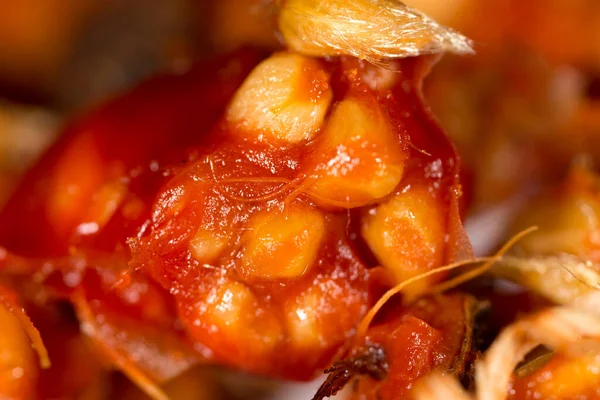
<point x="406" y="344"/>
<point x="568" y="216"/>
<point x="370" y="361"/>
<point x="573" y="330"/>
<point x="561" y="260"/>
<point x="372" y="30"/>
<point x="560" y="278"/>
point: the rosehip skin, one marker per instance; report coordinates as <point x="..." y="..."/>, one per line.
<point x="254" y="233"/>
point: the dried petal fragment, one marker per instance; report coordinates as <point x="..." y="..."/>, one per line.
<point x="570" y="329"/>
<point x="372" y="30"/>
<point x="561" y="278"/>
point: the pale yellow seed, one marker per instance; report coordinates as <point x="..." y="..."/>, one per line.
<point x="406" y="234"/>
<point x="206" y="246"/>
<point x="233" y="299"/>
<point x="284" y="99"/>
<point x="282" y="245"/>
<point x="236" y="312"/>
<point x="360" y="158"/>
<point x="303" y="325"/>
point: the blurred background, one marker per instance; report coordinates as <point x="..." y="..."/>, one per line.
<point x="522" y="111"/>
